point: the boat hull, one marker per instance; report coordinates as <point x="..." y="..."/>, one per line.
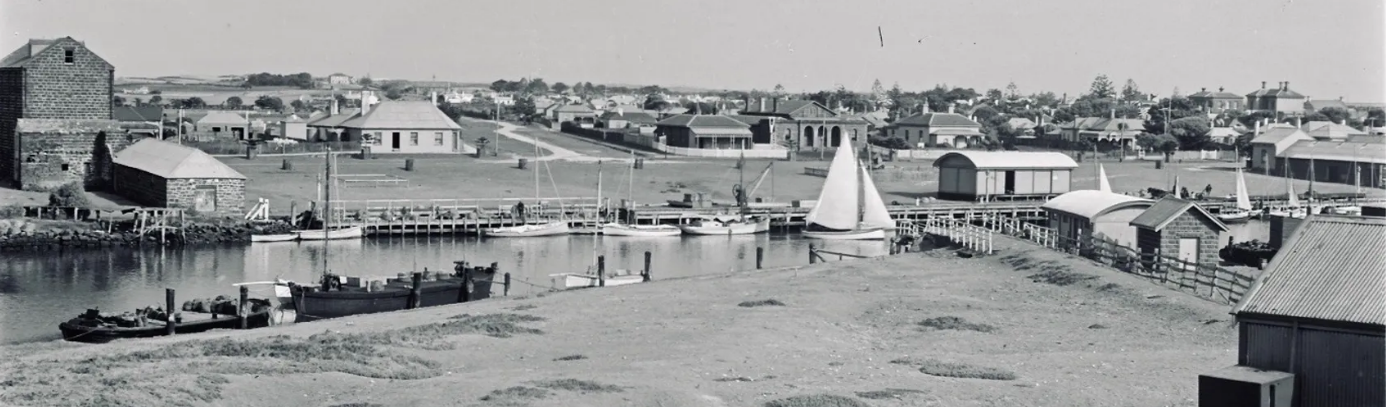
<point x="90" y="334"/>
<point x="861" y="234"/>
<point x="723" y="230"/>
<point x="575" y="280"/>
<point x="641" y="230"/>
<point x="339" y="234"/>
<point x="286" y="237"/>
<point x="551" y="229"/>
<point x="312" y="305"/>
<point x="1235" y="217"/>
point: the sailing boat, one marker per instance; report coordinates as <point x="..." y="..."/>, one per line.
<point x="623" y="229"/>
<point x="555" y="228"/>
<point x="1292" y="208"/>
<point x="328" y="232"/>
<point x="1103" y="184"/>
<point x="741" y="224"/>
<point x="849" y="208"/>
<point x="1243" y="209"/>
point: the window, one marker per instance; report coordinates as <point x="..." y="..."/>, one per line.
<point x="65" y="167"/>
<point x="413" y="138"/>
<point x="438" y="138"/>
<point x="375" y="138"/>
<point x="69" y="55"/>
<point x="216" y="129"/>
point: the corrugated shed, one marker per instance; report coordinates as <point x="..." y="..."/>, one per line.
<point x="1167" y="209"/>
<point x="1089" y="203"/>
<point x="400" y="115"/>
<point x="1332" y="268"/>
<point x="997" y="160"/>
<point x="1346" y="151"/>
<point x="173" y="161"/>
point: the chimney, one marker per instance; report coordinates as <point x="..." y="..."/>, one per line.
<point x="1297" y="121"/>
<point x="620" y="111"/>
<point x="1341" y="98"/>
<point x="333" y="110"/>
<point x="1264" y="84"/>
<point x="433" y="96"/>
<point x="1112" y="113"/>
<point x="1202" y="90"/>
<point x="1286" y="85"/>
<point x="951" y="108"/>
<point x="1257" y="128"/>
<point x="775" y="104"/>
<point x="924" y="108"/>
<point x="763" y="105"/>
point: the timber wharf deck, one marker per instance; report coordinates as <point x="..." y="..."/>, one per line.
<point x="471" y="216"/>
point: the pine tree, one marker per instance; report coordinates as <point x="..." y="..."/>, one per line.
<point x="879" y="97"/>
<point x="1101" y="88"/>
<point x="1130" y="92"/>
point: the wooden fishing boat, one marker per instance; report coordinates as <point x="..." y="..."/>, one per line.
<point x="560" y="228"/>
<point x="849" y="206"/>
<point x="617" y="229"/>
<point x="93" y="327"/>
<point x="726" y="225"/>
<point x="283" y="237"/>
<point x="351" y="232"/>
<point x="1242" y="210"/>
<point x="564" y="281"/>
<point x="340" y="296"/>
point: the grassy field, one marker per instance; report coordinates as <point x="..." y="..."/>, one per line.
<point x="505" y="147"/>
<point x="924" y="329"/>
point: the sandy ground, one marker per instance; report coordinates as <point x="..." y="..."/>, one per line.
<point x="845" y="329"/>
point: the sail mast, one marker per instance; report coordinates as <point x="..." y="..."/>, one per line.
<point x="327" y="203"/>
<point x="536" y="143"/>
<point x="599" y="187"/>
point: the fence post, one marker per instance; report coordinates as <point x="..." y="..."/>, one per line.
<point x="645" y="276"/>
<point x="506" y="288"/>
<point x="601" y="270"/>
<point x="241" y="308"/>
<point x="416" y="290"/>
<point x="760" y="254"/>
<point x="169" y="322"/>
<point x="811" y="253"/>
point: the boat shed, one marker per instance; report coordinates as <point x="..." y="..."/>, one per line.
<point x="1077" y="216"/>
<point x="991" y="175"/>
<point x="163" y="174"/>
<point x="1174" y="228"/>
<point x="1317" y="313"/>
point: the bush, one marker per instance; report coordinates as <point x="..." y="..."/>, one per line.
<point x="11" y="212"/>
<point x="70" y="195"/>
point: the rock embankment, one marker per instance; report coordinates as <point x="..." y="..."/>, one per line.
<point x="35" y="235"/>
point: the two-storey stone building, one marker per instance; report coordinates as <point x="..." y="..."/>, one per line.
<point x="803" y="124"/>
<point x="52" y="80"/>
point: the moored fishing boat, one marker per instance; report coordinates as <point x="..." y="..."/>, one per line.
<point x="617" y="229"/>
<point x="351" y="232"/>
<point x="339" y="296"/>
<point x="726" y="225"/>
<point x="563" y="281"/>
<point x="95" y="327"/>
<point x="1242" y="209"/>
<point x="560" y="228"/>
<point x="283" y="237"/>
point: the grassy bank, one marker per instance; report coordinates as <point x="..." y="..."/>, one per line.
<point x="919" y="329"/>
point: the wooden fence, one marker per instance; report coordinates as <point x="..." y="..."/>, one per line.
<point x="1207" y="281"/>
<point x="963" y="233"/>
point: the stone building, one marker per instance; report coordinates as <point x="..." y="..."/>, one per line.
<point x="51" y="80"/>
<point x="803" y="124"/>
<point x="1178" y="229"/>
<point x="162" y="174"/>
<point x="54" y="152"/>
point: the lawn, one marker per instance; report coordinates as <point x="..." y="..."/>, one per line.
<point x="852" y="333"/>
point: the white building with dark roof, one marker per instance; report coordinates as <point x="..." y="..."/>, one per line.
<point x="407" y="127"/>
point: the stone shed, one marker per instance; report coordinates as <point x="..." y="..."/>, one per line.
<point x="162" y="174"/>
<point x="1179" y="229"/>
<point x="54" y="152"/>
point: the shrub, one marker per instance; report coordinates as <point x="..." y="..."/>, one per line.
<point x="956" y="324"/>
<point x="817" y="400"/>
<point x="934" y="367"/>
<point x="70" y="195"/>
<point x="761" y="303"/>
<point x="11" y="212"/>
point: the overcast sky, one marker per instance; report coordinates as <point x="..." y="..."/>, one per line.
<point x="1326" y="49"/>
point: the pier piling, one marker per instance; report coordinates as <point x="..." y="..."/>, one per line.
<point x="168" y="313"/>
<point x="601" y="271"/>
<point x="416" y="290"/>
<point x="645" y="274"/>
<point x="811" y="253"/>
<point x="241" y="308"/>
<point x="505" y="290"/>
<point x="760" y="255"/>
<point x="465" y="293"/>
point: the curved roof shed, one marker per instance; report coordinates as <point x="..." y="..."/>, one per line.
<point x="1089" y="203"/>
<point x="1006" y="160"/>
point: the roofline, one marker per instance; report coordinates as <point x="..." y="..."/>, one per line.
<point x="1222" y="227"/>
<point x="1109" y="209"/>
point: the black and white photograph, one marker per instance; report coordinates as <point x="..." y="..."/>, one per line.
<point x="792" y="203"/>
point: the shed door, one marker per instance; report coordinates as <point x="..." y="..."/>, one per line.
<point x="1010" y="182"/>
<point x="1189" y="250"/>
<point x="205" y="199"/>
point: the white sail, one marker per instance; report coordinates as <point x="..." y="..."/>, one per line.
<point x="874" y="209"/>
<point x="1291" y="199"/>
<point x="1244" y="202"/>
<point x="837" y="206"/>
<point x="1103" y="180"/>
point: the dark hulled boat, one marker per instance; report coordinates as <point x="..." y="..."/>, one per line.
<point x="337" y="296"/>
<point x="94" y="327"/>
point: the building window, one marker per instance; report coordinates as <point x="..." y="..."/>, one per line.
<point x="65" y="167"/>
<point x="438" y="138"/>
<point x="69" y="56"/>
<point x="216" y="129"/>
<point x="413" y="138"/>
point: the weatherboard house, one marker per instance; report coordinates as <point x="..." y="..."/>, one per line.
<point x="163" y="174"/>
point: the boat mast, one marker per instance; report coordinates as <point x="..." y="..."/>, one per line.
<point x="327" y="203"/>
<point x="536" y="143"/>
<point x="631" y="184"/>
<point x="599" y="188"/>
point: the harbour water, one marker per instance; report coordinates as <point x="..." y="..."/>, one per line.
<point x="39" y="290"/>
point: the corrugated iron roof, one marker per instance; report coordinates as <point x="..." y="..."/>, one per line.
<point x="573" y="109"/>
<point x="1089" y="203"/>
<point x="145" y="113"/>
<point x="995" y="160"/>
<point x="1331" y="268"/>
<point x="1167" y="209"/>
<point x="222" y="118"/>
<point x="1346" y="151"/>
<point x="688" y="120"/>
<point x="334" y="120"/>
<point x="1273" y="135"/>
<point x="937" y="119"/>
<point x="173" y="161"/>
<point x="403" y="115"/>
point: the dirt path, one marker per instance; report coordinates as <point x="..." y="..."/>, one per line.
<point x="887" y="332"/>
<point x="507" y="130"/>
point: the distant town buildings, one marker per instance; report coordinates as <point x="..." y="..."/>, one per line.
<point x="339" y="79"/>
<point x="1218" y="101"/>
<point x="804" y="123"/>
<point x="1280" y="99"/>
<point x="927" y="130"/>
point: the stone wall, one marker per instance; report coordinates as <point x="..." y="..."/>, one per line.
<point x="54" y="89"/>
<point x="230" y="195"/>
<point x="11" y="109"/>
<point x="139" y="186"/>
<point x="1189" y="225"/>
<point x="54" y="152"/>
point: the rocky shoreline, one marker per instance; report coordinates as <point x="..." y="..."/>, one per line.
<point x="27" y="235"/>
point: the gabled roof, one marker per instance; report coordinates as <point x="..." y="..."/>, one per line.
<point x="1321" y="104"/>
<point x="334" y="120"/>
<point x="688" y="120"/>
<point x="173" y="161"/>
<point x="1330" y="130"/>
<point x="1330" y="269"/>
<point x="937" y="120"/>
<point x="633" y="117"/>
<point x="1277" y="93"/>
<point x="402" y="115"/>
<point x="138" y="113"/>
<point x="20" y="57"/>
<point x="1089" y="203"/>
<point x="1273" y="135"/>
<point x="1167" y="209"/>
<point x="573" y="109"/>
<point x="1344" y="151"/>
<point x="222" y="117"/>
<point x="1219" y="94"/>
<point x="984" y="160"/>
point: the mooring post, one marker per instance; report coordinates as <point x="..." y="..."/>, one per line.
<point x="760" y="255"/>
<point x="168" y="311"/>
<point x="242" y="308"/>
<point x="506" y="288"/>
<point x="465" y="293"/>
<point x="645" y="275"/>
<point x="811" y="253"/>
<point x="416" y="290"/>
<point x="601" y="271"/>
